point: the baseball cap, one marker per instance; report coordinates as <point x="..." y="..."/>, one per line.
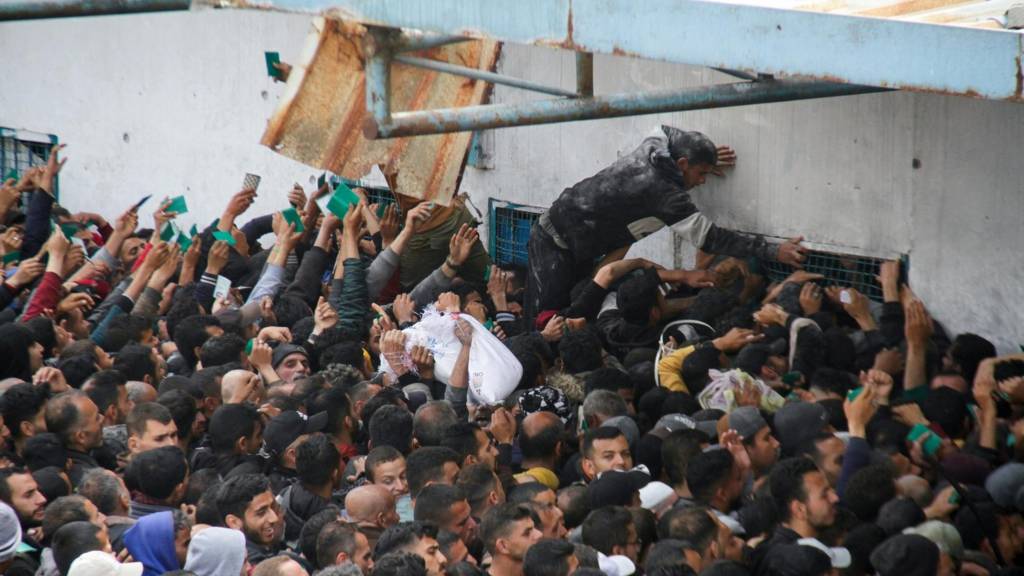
<point x="98" y="563"/>
<point x="657" y="497"/>
<point x="797" y="422"/>
<point x="615" y="565"/>
<point x="746" y="420"/>
<point x="615" y="488"/>
<point x="839" y="556"/>
<point x="1006" y="486"/>
<point x="538" y="474"/>
<point x="906" y="555"/>
<point x="628" y="427"/>
<point x="287" y="426"/>
<point x="943" y="534"/>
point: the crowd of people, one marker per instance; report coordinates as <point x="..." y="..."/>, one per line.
<point x="250" y="400"/>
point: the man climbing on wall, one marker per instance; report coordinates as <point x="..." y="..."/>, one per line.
<point x="639" y="194"/>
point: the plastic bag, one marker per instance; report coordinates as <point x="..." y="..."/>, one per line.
<point x="494" y="372"/>
<point x="720" y="393"/>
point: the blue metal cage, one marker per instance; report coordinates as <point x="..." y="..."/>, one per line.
<point x="509" y="225"/>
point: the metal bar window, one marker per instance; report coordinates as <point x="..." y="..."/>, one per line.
<point x="510" y="226"/>
<point x="840" y="268"/>
<point x="21" y="150"/>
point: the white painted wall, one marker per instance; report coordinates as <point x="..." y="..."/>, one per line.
<point x="191" y="93"/>
<point x="163" y="104"/>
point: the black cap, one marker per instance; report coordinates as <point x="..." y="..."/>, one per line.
<point x="616" y="488"/>
<point x="287" y="426"/>
<point x="906" y="555"/>
<point x="797" y="560"/>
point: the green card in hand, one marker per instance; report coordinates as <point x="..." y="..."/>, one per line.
<point x="291" y="215"/>
<point x="12" y="173"/>
<point x="184" y="242"/>
<point x="177" y="205"/>
<point x="169" y="232"/>
<point x="225" y="236"/>
<point x="193" y="231"/>
<point x="69" y="229"/>
<point x="273" y="58"/>
<point x="12" y="257"/>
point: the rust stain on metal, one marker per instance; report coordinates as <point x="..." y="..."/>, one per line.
<point x="320" y="119"/>
<point x="569" y="42"/>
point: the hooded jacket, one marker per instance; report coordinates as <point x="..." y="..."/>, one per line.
<point x="151" y="541"/>
<point x="641" y="193"/>
<point x="216" y="552"/>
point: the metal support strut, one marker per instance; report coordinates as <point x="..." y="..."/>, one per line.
<point x="604" y="106"/>
<point x="32" y="9"/>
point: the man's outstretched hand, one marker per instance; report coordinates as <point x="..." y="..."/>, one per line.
<point x="726" y="159"/>
<point x="792" y="253"/>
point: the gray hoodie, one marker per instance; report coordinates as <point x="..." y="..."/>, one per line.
<point x="216" y="552"/>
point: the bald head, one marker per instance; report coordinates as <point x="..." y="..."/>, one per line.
<point x="235" y="382"/>
<point x="371" y="504"/>
<point x="431" y="422"/>
<point x="140" y="392"/>
<point x="916" y="488"/>
<point x="539" y="421"/>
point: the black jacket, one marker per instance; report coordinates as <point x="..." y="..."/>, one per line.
<point x="636" y="196"/>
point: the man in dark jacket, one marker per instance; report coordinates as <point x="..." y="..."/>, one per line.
<point x="636" y="196"/>
<point x="318" y="463"/>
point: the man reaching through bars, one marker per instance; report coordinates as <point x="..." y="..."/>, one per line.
<point x="636" y="196"/>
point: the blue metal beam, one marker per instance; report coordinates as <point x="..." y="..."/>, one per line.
<point x="33" y="9"/>
<point x="603" y="106"/>
<point x="874" y="51"/>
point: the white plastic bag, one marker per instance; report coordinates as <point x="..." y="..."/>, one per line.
<point x="721" y="392"/>
<point x="494" y="372"/>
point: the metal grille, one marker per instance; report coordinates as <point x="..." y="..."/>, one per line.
<point x="510" y="226"/>
<point x="848" y="270"/>
<point x="19" y="153"/>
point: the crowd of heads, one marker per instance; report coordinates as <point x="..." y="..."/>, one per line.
<point x="152" y="422"/>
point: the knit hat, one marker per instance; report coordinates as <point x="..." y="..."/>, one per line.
<point x="10" y="532"/>
<point x="285" y="350"/>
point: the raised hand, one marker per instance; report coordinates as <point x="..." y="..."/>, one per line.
<point x="403" y="308"/>
<point x="10" y="241"/>
<point x="554" y="329"/>
<point x="389" y="225"/>
<point x="770" y="314"/>
<point x="918" y="327"/>
<point x="448" y="302"/>
<point x="792" y="253"/>
<point x="460" y="245"/>
<point x="54" y="164"/>
<point x="810" y="298"/>
<point x="217" y="258"/>
<point x="28" y="271"/>
<point x="297" y="197"/>
<point x="325" y="316"/>
<point x="464" y="332"/>
<point x="726" y="159"/>
<point x="239" y="203"/>
<point x="424" y="361"/>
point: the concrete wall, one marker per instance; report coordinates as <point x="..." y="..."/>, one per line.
<point x="175" y="103"/>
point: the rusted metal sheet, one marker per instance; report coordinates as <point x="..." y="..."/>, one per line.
<point x="321" y="116"/>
